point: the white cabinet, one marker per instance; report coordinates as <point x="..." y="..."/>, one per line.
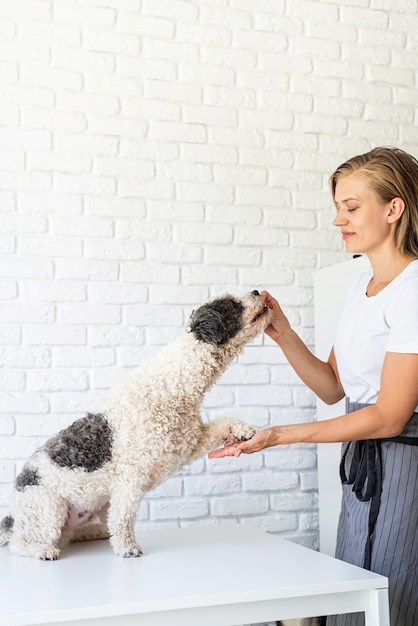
<point x="330" y="289"/>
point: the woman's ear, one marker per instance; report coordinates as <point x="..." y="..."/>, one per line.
<point x="396" y="209"/>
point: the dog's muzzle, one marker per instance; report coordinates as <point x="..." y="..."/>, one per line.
<point x="259" y="314"/>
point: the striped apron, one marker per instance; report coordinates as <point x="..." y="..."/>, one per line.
<point x="378" y="524"/>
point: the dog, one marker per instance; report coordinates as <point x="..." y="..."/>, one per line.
<point x="87" y="481"/>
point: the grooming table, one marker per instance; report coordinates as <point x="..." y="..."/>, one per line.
<point x="206" y="575"/>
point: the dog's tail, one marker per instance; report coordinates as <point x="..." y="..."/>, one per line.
<point x="6" y="529"/>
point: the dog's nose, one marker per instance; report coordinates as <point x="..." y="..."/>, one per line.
<point x="255" y="292"/>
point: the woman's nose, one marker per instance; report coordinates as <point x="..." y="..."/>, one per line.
<point x="338" y="219"/>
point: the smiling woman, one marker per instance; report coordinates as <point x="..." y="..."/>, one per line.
<point x="385" y="177"/>
<point x="367" y="223"/>
<point x="374" y="364"/>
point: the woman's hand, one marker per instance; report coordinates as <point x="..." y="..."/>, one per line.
<point x="262" y="439"/>
<point x="279" y="323"/>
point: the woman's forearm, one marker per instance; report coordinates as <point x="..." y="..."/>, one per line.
<point x="366" y="423"/>
<point x="370" y="422"/>
<point x="320" y="376"/>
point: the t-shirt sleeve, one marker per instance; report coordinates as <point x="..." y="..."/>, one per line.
<point x="402" y="319"/>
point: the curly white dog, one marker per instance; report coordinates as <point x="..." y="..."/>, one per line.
<point x="87" y="481"/>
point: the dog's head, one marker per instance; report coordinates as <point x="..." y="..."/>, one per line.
<point x="223" y="319"/>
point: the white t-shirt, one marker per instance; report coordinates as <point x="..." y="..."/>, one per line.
<point x="371" y="326"/>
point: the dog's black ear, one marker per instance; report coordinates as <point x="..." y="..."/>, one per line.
<point x="217" y="321"/>
<point x="207" y="325"/>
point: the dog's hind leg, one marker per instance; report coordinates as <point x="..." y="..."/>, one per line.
<point x="221" y="431"/>
<point x="125" y="498"/>
<point x="38" y="524"/>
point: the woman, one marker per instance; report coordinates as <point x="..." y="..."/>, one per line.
<point x="374" y="364"/>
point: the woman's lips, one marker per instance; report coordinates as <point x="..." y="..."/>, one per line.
<point x="346" y="236"/>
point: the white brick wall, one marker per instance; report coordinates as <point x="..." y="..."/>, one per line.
<point x="155" y="154"/>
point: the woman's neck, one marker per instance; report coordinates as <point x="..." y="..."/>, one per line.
<point x="386" y="267"/>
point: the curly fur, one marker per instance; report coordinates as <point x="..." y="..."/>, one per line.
<point x="87" y="481"/>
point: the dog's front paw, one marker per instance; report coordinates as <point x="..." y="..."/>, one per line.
<point x="132" y="551"/>
<point x="127" y="551"/>
<point x="240" y="431"/>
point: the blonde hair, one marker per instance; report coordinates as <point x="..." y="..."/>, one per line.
<point x="392" y="173"/>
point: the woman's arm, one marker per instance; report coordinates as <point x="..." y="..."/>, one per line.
<point x="320" y="376"/>
<point x="397" y="400"/>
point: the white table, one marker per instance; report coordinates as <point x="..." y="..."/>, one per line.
<point x="200" y="575"/>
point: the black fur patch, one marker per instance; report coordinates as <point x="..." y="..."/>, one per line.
<point x="7" y="523"/>
<point x="217" y="321"/>
<point x="87" y="443"/>
<point x="28" y="477"/>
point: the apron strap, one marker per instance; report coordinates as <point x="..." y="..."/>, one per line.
<point x="365" y="474"/>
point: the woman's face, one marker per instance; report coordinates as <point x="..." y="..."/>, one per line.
<point x="361" y="215"/>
